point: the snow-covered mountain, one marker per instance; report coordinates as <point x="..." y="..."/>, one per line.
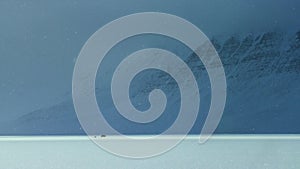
<point x="263" y="79"/>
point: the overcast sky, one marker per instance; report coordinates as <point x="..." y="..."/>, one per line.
<point x="40" y="40"/>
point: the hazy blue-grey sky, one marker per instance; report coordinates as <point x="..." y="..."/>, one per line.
<point x="40" y="40"/>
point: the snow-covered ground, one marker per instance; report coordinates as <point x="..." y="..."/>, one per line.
<point x="223" y="151"/>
